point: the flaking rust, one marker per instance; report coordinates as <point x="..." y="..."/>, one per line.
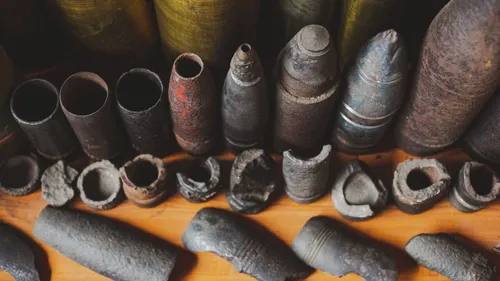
<point x="450" y="257"/>
<point x="306" y="88"/>
<point x="251" y="250"/>
<point x="200" y="186"/>
<point x="16" y="258"/>
<point x="458" y="71"/>
<point x="374" y="92"/>
<point x="58" y="183"/>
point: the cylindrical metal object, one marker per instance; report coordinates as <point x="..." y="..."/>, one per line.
<point x="100" y="185"/>
<point x="110" y="248"/>
<point x="458" y="71"/>
<point x="35" y="106"/>
<point x="295" y="14"/>
<point x="210" y="28"/>
<point x="19" y="175"/>
<point x="306" y="178"/>
<point x="118" y="27"/>
<point x="361" y="20"/>
<point x="244" y="101"/>
<point x="375" y="88"/>
<point x="306" y="87"/>
<point x="92" y="113"/>
<point x="193" y="104"/>
<point x="483" y="137"/>
<point x="139" y="93"/>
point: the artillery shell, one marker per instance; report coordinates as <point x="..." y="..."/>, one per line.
<point x="306" y="178"/>
<point x="198" y="188"/>
<point x="477" y="186"/>
<point x="457" y="73"/>
<point x="100" y="186"/>
<point x="374" y="92"/>
<point x="419" y="184"/>
<point x="19" y="175"/>
<point x="16" y="257"/>
<point x="44" y="124"/>
<point x="57" y="184"/>
<point x="144" y="180"/>
<point x="306" y="87"/>
<point x="247" y="246"/>
<point x="361" y="20"/>
<point x="327" y="245"/>
<point x="193" y="104"/>
<point x="92" y="113"/>
<point x="105" y="246"/>
<point x="357" y="194"/>
<point x="450" y="257"/>
<point x="483" y="136"/>
<point x="139" y="93"/>
<point x="244" y="101"/>
<point x="252" y="184"/>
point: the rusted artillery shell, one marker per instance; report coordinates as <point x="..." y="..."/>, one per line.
<point x="108" y="247"/>
<point x="198" y="188"/>
<point x="483" y="137"/>
<point x="306" y="178"/>
<point x="16" y="257"/>
<point x="144" y="180"/>
<point x="419" y="184"/>
<point x="100" y="186"/>
<point x="477" y="186"/>
<point x="252" y="184"/>
<point x="244" y="101"/>
<point x="57" y="184"/>
<point x="118" y="27"/>
<point x="361" y="20"/>
<point x="139" y="94"/>
<point x="450" y="257"/>
<point x="35" y="107"/>
<point x="306" y="88"/>
<point x="327" y="245"/>
<point x="193" y="104"/>
<point x="457" y="73"/>
<point x="250" y="250"/>
<point x="357" y="194"/>
<point x="92" y="113"/>
<point x="295" y="14"/>
<point x="375" y="88"/>
<point x="19" y="175"/>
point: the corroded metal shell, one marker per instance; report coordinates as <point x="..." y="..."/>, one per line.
<point x="19" y="175"/>
<point x="458" y="71"/>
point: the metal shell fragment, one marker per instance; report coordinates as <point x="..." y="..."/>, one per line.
<point x="57" y="184"/>
<point x="19" y="175"/>
<point x="477" y="186"/>
<point x="327" y="245"/>
<point x="200" y="190"/>
<point x="100" y="185"/>
<point x="250" y="249"/>
<point x="357" y="194"/>
<point x="419" y="184"/>
<point x="306" y="179"/>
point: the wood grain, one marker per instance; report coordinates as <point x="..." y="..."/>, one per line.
<point x="284" y="218"/>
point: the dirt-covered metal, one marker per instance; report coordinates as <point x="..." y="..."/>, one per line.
<point x="16" y="257"/>
<point x="100" y="185"/>
<point x="58" y="183"/>
<point x="200" y="184"/>
<point x="19" y="175"/>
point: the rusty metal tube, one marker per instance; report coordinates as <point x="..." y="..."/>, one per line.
<point x="458" y="71"/>
<point x="139" y="94"/>
<point x="35" y="107"/>
<point x="92" y="113"/>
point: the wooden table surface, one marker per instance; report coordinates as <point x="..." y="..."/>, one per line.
<point x="284" y="218"/>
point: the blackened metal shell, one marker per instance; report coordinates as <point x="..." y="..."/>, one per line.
<point x="193" y="104"/>
<point x="325" y="244"/>
<point x="375" y="88"/>
<point x="92" y="113"/>
<point x="477" y="186"/>
<point x="306" y="88"/>
<point x="244" y="101"/>
<point x="107" y="247"/>
<point x="458" y="71"/>
<point x="16" y="258"/>
<point x="196" y="191"/>
<point x="35" y="107"/>
<point x="483" y="136"/>
<point x="139" y="94"/>
<point x="251" y="252"/>
<point x="306" y="178"/>
<point x="450" y="257"/>
<point x="19" y="175"/>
